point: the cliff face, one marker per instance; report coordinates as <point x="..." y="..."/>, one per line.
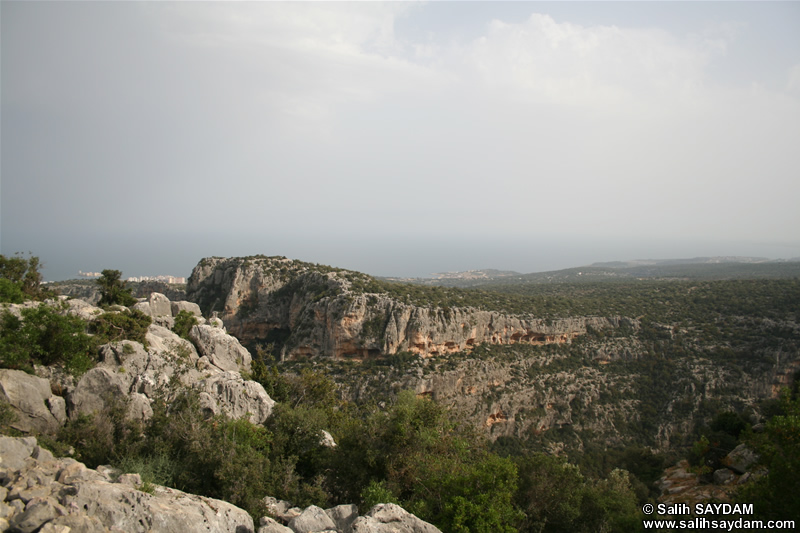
<point x="320" y="311"/>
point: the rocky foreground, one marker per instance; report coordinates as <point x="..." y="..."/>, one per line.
<point x="59" y="495"/>
<point x="42" y="493"/>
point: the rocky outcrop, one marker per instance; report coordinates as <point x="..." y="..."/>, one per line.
<point x="36" y="409"/>
<point x="312" y="519"/>
<point x="137" y="375"/>
<point x="128" y="370"/>
<point x="221" y="349"/>
<point x="382" y="518"/>
<point x="320" y="311"/>
<point x="391" y="518"/>
<point x="39" y="492"/>
<point x="42" y="493"/>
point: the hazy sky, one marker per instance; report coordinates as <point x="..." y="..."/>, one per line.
<point x="398" y="138"/>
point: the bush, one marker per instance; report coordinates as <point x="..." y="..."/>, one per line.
<point x="11" y="292"/>
<point x="184" y="322"/>
<point x="44" y="337"/>
<point x="116" y="326"/>
<point x="412" y="454"/>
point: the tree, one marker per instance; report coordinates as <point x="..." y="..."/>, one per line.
<point x="20" y="279"/>
<point x="113" y="290"/>
<point x="43" y="336"/>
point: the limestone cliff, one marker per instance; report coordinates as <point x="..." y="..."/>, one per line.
<point x="320" y="311"/>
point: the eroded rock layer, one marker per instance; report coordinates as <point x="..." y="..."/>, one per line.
<point x="319" y="311"/>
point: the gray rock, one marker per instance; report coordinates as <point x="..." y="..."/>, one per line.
<point x="14" y="451"/>
<point x="58" y="408"/>
<point x="391" y="518"/>
<point x="326" y="440"/>
<point x="223" y="350"/>
<point x="268" y="525"/>
<point x="81" y="309"/>
<point x="310" y="520"/>
<point x="75" y="523"/>
<point x="50" y="527"/>
<point x="37" y="512"/>
<point x="134" y="480"/>
<point x="740" y="459"/>
<point x="162" y="340"/>
<point x="27" y="396"/>
<point x="164" y="321"/>
<point x="345" y="324"/>
<point x="144" y="307"/>
<point x="723" y="476"/>
<point x="192" y="307"/>
<point x="84" y="500"/>
<point x="228" y="393"/>
<point x="159" y="305"/>
<point x="343" y="516"/>
<point x="139" y="407"/>
<point x="276" y="507"/>
<point x="42" y="454"/>
<point x="95" y="389"/>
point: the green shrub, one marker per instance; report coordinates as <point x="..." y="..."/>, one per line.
<point x="44" y="337"/>
<point x="377" y="492"/>
<point x="116" y="326"/>
<point x="11" y="292"/>
<point x="105" y="437"/>
<point x="184" y="322"/>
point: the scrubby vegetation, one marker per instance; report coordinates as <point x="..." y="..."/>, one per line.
<point x="44" y="337"/>
<point x="45" y="334"/>
<point x="395" y="446"/>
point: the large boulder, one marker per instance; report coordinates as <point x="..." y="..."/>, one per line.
<point x="80" y="308"/>
<point x="229" y="394"/>
<point x="41" y="493"/>
<point x="162" y="340"/>
<point x="391" y="518"/>
<point x="310" y="520"/>
<point x="159" y="305"/>
<point x="35" y="406"/>
<point x="96" y="389"/>
<point x="221" y="349"/>
<point x="343" y="516"/>
<point x="14" y="451"/>
<point x="269" y="525"/>
<point x="191" y="307"/>
<point x="740" y="459"/>
<point x="128" y="370"/>
<point x="143" y="306"/>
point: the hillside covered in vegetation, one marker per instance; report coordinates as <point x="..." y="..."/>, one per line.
<point x="512" y="434"/>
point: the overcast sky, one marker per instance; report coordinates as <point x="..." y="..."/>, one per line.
<point x="398" y="138"/>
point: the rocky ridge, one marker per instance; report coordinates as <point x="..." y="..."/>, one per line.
<point x="211" y="364"/>
<point x="42" y="493"/>
<point x="320" y="311"/>
<point x="39" y="492"/>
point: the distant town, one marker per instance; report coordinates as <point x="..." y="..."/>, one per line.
<point x="163" y="279"/>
